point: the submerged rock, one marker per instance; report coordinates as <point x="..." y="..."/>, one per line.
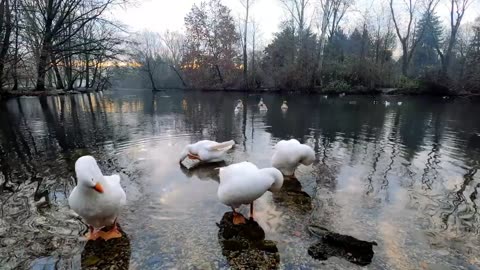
<point x="344" y="246"/>
<point x="111" y="254"/>
<point x="245" y="246"/>
<point x="292" y="196"/>
<point x="204" y="171"/>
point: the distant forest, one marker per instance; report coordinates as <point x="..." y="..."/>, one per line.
<point x="68" y="44"/>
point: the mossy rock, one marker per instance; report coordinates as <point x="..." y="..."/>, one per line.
<point x="244" y="245"/>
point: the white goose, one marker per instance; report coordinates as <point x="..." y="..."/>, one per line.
<point x="239" y="106"/>
<point x="243" y="183"/>
<point x="261" y="102"/>
<point x="98" y="199"/>
<point x="207" y="151"/>
<point x="290" y="154"/>
<point x="284" y="106"/>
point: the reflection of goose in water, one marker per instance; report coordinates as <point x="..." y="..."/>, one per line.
<point x="207" y="151"/>
<point x="263" y="107"/>
<point x="245" y="246"/>
<point x="205" y="172"/>
<point x="293" y="197"/>
<point x="239" y="106"/>
<point x="243" y="183"/>
<point x="113" y="254"/>
<point x="184" y="104"/>
<point x="290" y="154"/>
<point x="284" y="106"/>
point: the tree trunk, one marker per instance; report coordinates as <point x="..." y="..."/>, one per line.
<point x="42" y="66"/>
<point x="245" y="57"/>
<point x="4" y="13"/>
<point x="179" y="76"/>
<point x="152" y="81"/>
<point x="58" y="76"/>
<point x="87" y="71"/>
<point x="15" y="54"/>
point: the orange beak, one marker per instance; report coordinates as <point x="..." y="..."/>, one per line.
<point x="98" y="188"/>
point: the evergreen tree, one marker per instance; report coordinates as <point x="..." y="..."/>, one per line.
<point x="429" y="31"/>
<point x="472" y="74"/>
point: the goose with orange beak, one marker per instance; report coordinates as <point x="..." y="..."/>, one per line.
<point x="98" y="199"/>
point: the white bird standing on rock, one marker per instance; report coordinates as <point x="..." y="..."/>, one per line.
<point x="98" y="199"/>
<point x="207" y="151"/>
<point x="243" y="183"/>
<point x="290" y="154"/>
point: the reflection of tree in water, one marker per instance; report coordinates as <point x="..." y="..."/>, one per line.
<point x="460" y="205"/>
<point x="40" y="139"/>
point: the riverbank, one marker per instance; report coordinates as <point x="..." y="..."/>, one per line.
<point x="48" y="92"/>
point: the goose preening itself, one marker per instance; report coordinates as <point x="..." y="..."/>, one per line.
<point x="98" y="199"/>
<point x="239" y="106"/>
<point x="243" y="183"/>
<point x="207" y="151"/>
<point x="284" y="106"/>
<point x="290" y="154"/>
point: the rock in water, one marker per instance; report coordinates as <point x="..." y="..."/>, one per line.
<point x="245" y="246"/>
<point x="333" y="244"/>
<point x="113" y="254"/>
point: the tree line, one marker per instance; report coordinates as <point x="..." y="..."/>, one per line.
<point x="67" y="44"/>
<point x="403" y="44"/>
<point x="62" y="44"/>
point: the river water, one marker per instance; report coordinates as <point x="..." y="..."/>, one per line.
<point x="404" y="176"/>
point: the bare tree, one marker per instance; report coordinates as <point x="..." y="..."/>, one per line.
<point x="297" y="10"/>
<point x="339" y="9"/>
<point x="147" y="54"/>
<point x="57" y="22"/>
<point x="408" y="39"/>
<point x="457" y="12"/>
<point x="246" y="4"/>
<point x="6" y="27"/>
<point x="174" y="42"/>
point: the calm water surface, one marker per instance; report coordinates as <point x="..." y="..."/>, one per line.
<point x="403" y="176"/>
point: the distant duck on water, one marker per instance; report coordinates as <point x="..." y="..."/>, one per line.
<point x="261" y="102"/>
<point x="239" y="106"/>
<point x="262" y="107"/>
<point x="284" y="106"/>
<point x="387" y="103"/>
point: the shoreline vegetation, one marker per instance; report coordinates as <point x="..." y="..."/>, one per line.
<point x="75" y="45"/>
<point x="332" y="92"/>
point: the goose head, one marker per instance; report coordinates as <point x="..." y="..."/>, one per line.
<point x="88" y="174"/>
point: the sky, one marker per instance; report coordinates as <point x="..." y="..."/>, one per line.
<point x="162" y="15"/>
